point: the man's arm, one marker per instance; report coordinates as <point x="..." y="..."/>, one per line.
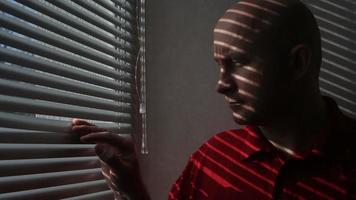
<point x="120" y="165"/>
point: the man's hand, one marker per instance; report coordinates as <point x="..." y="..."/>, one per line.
<point x="120" y="165"/>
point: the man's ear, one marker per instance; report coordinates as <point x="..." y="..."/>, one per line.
<point x="300" y="60"/>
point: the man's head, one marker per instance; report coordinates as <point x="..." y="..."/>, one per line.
<point x="267" y="50"/>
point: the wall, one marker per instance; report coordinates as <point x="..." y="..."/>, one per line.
<point x="183" y="108"/>
<point x="337" y="22"/>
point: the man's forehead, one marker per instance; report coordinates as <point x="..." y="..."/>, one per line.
<point x="243" y="24"/>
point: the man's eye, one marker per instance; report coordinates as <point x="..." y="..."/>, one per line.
<point x="237" y="64"/>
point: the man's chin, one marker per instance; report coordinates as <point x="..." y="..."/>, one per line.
<point x="245" y="120"/>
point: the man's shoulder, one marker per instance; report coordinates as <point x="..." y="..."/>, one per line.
<point x="341" y="124"/>
<point x="240" y="132"/>
<point x="341" y="140"/>
<point x="239" y="142"/>
<point x="344" y="136"/>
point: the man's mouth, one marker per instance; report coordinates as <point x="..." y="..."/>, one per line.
<point x="232" y="101"/>
<point x="237" y="104"/>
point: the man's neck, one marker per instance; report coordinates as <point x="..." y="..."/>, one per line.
<point x="297" y="132"/>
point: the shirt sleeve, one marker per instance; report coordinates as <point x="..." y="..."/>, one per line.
<point x="183" y="188"/>
<point x="193" y="183"/>
<point x="188" y="185"/>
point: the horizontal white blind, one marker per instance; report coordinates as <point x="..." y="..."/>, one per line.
<point x="61" y="59"/>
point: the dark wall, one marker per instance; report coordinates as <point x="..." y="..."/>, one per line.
<point x="182" y="105"/>
<point x="337" y="22"/>
<point x="183" y="108"/>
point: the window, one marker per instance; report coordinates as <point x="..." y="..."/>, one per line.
<point x="61" y="59"/>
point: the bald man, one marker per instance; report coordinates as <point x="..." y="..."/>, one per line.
<point x="296" y="143"/>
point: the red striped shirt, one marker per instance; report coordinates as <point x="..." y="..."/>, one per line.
<point x="242" y="164"/>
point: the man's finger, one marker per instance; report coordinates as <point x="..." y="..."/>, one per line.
<point x="76" y="121"/>
<point x="104" y="152"/>
<point x="118" y="141"/>
<point x="115" y="160"/>
<point x="85" y="129"/>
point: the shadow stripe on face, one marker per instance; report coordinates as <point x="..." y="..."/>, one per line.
<point x="229" y="46"/>
<point x="246" y="14"/>
<point x="240" y="24"/>
<point x="252" y="69"/>
<point x="245" y="80"/>
<point x="232" y="34"/>
<point x="218" y="56"/>
<point x="246" y="107"/>
<point x="224" y="84"/>
<point x="239" y="116"/>
<point x="247" y="94"/>
<point x="278" y="3"/>
<point x="249" y="108"/>
<point x="256" y="6"/>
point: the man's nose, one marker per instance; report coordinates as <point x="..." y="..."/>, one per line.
<point x="222" y="87"/>
<point x="225" y="84"/>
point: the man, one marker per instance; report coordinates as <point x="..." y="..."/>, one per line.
<point x="296" y="143"/>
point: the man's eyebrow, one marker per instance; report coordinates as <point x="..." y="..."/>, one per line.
<point x="219" y="57"/>
<point x="238" y="57"/>
<point x="231" y="56"/>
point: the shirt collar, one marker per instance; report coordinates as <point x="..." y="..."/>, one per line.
<point x="335" y="143"/>
<point x="255" y="143"/>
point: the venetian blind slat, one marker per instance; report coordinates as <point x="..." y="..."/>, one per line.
<point x="33" y="181"/>
<point x="20" y="89"/>
<point x="67" y="31"/>
<point x="79" y="85"/>
<point x="104" y="195"/>
<point x="58" y="191"/>
<point x="16" y="25"/>
<point x="61" y="60"/>
<point x="46" y="165"/>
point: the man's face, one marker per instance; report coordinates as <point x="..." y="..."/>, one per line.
<point x="250" y="86"/>
<point x="252" y="76"/>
